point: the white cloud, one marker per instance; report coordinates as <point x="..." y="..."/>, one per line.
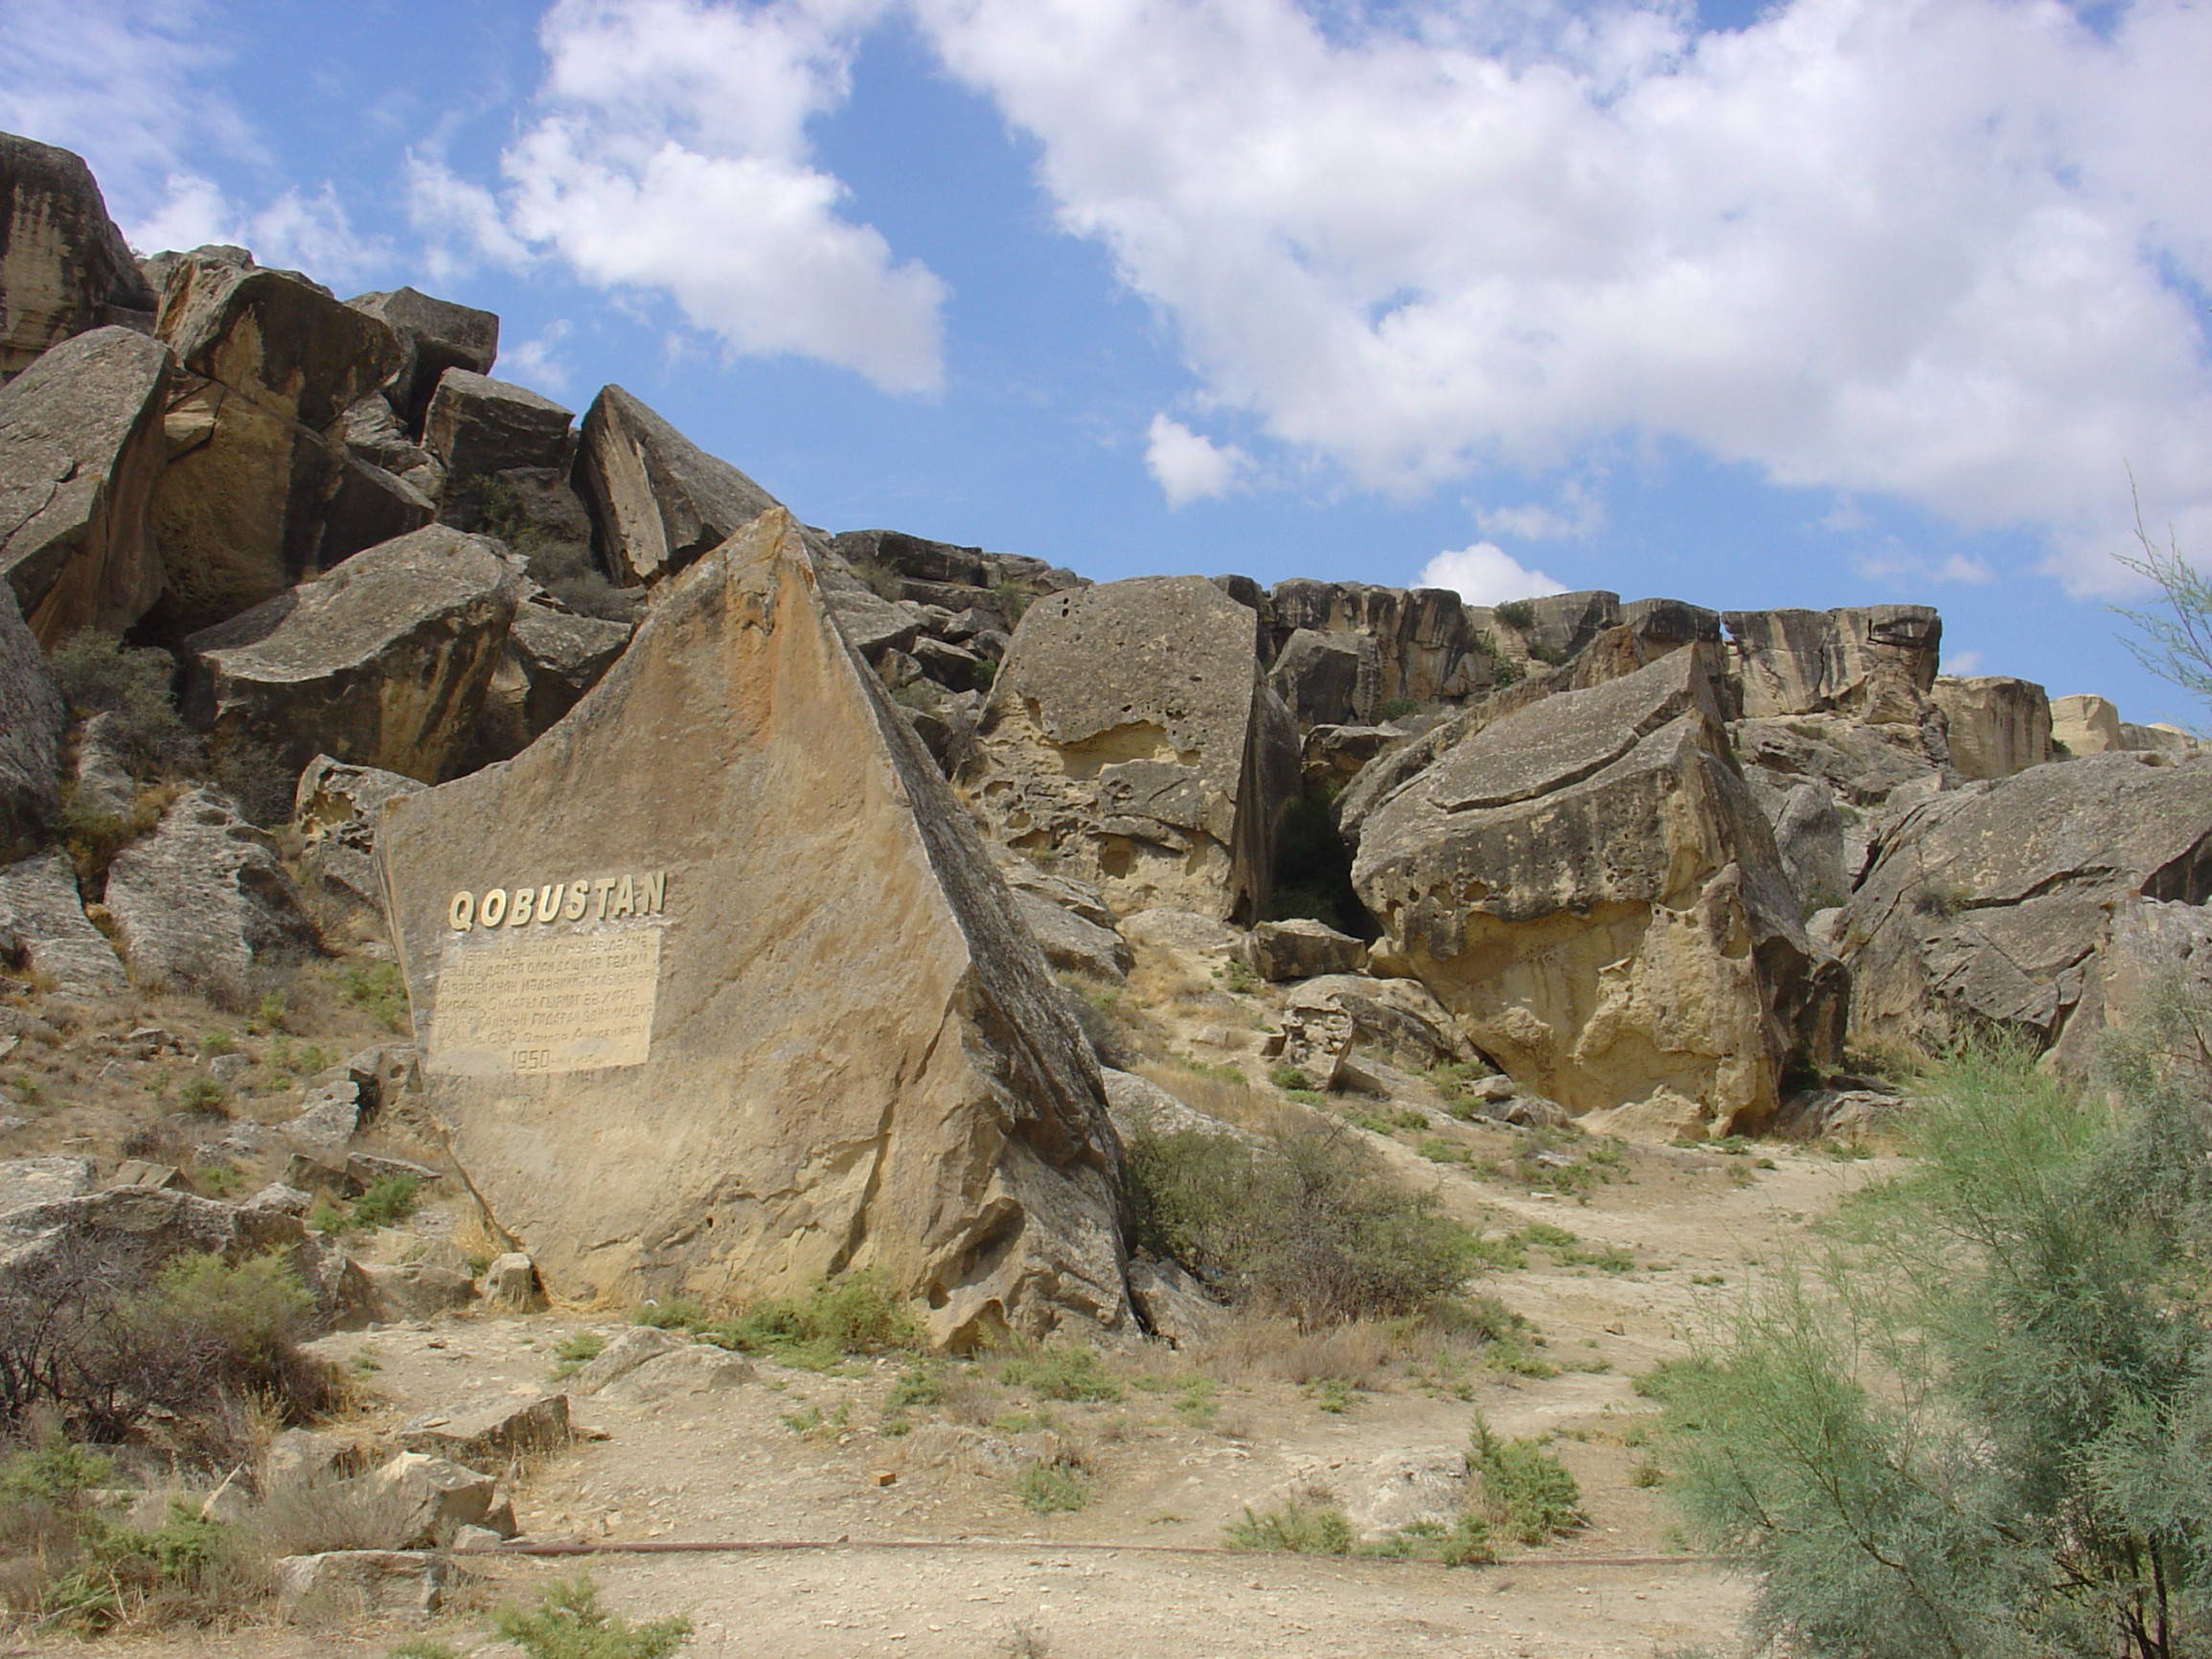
<point x="1579" y="514"/>
<point x="1485" y="574"/>
<point x="672" y="155"/>
<point x="1963" y="663"/>
<point x="1909" y="569"/>
<point x="460" y="220"/>
<point x="1189" y="466"/>
<point x="1914" y="247"/>
<point x="537" y="362"/>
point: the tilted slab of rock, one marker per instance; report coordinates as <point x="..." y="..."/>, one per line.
<point x="384" y="662"/>
<point x="784" y="1021"/>
<point x="1876" y="662"/>
<point x="1994" y="725"/>
<point x="202" y="897"/>
<point x="1130" y="735"/>
<point x="65" y="267"/>
<point x="659" y="499"/>
<point x="1303" y="948"/>
<point x="1986" y="904"/>
<point x="43" y="925"/>
<point x="32" y="718"/>
<point x="434" y="335"/>
<point x="478" y="425"/>
<point x="335" y="811"/>
<point x="1398" y="1016"/>
<point x="1590" y="889"/>
<point x="81" y="450"/>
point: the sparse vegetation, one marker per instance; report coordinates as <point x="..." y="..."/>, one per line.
<point x="569" y="1622"/>
<point x="1073" y="1373"/>
<point x="1054" y="1487"/>
<point x="857" y="1314"/>
<point x="387" y="1201"/>
<point x="377" y="991"/>
<point x="575" y="1350"/>
<point x="1516" y="613"/>
<point x="1524" y="1491"/>
<point x="1291" y="1528"/>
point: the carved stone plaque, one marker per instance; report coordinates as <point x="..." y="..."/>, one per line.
<point x="569" y="1001"/>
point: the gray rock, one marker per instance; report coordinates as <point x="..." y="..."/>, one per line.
<point x="1988" y="904"/>
<point x="274" y="337"/>
<point x="384" y="662"/>
<point x="490" y="1436"/>
<point x="367" y="1167"/>
<point x="659" y="501"/>
<point x="1072" y="943"/>
<point x="327" y="1119"/>
<point x="739" y="748"/>
<point x="65" y="267"/>
<point x="1174" y="1305"/>
<point x="1184" y="933"/>
<point x="143" y="1172"/>
<point x="1994" y="724"/>
<point x="511" y="1285"/>
<point x="1141" y="1107"/>
<point x="203" y="897"/>
<point x="1588" y="886"/>
<point x="412" y="1290"/>
<point x="1809" y="835"/>
<point x="439" y="1495"/>
<point x="281" y="1199"/>
<point x="434" y="335"/>
<point x="28" y="1181"/>
<point x="32" y="717"/>
<point x="1835" y="1114"/>
<point x="1130" y="733"/>
<point x="1078" y="897"/>
<point x="1424" y="644"/>
<point x="43" y="925"/>
<point x="1332" y="756"/>
<point x="1328" y="679"/>
<point x="478" y="425"/>
<point x="561" y="657"/>
<point x="1402" y="1490"/>
<point x="345" y="1586"/>
<point x="1876" y="662"/>
<point x="873" y="626"/>
<point x="695" y="1369"/>
<point x="107" y="781"/>
<point x="627" y="1350"/>
<point x="1398" y="1019"/>
<point x="1303" y="948"/>
<point x="335" y="816"/>
<point x="81" y="451"/>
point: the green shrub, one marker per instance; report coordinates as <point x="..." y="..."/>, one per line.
<point x="1288" y="1077"/>
<point x="857" y="1314"/>
<point x="1525" y="1492"/>
<point x="1293" y="1529"/>
<point x="1470" y="1543"/>
<point x="1053" y="1488"/>
<point x="916" y="1386"/>
<point x="202" y="1094"/>
<point x="118" y="1571"/>
<point x="1397" y="708"/>
<point x="388" y="1201"/>
<point x="1061" y="1373"/>
<point x="378" y="991"/>
<point x="676" y="1313"/>
<point x="570" y="1623"/>
<point x="575" y="1350"/>
<point x="1516" y="613"/>
<point x="99" y="674"/>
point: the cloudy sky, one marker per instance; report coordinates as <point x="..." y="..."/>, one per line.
<point x="1825" y="301"/>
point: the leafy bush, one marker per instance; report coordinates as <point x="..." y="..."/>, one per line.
<point x="1525" y="1492"/>
<point x="99" y="674"/>
<point x="1516" y="613"/>
<point x="379" y="992"/>
<point x="1982" y="1425"/>
<point x="1053" y="1488"/>
<point x="1306" y="1224"/>
<point x="570" y="1623"/>
<point x="1061" y="1373"/>
<point x="1295" y="1529"/>
<point x="857" y="1314"/>
<point x="186" y="1561"/>
<point x="387" y="1201"/>
<point x="575" y="1350"/>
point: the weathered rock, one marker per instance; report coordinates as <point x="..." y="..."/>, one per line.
<point x="1317" y="1040"/>
<point x="1402" y="1490"/>
<point x="478" y="425"/>
<point x="283" y="1200"/>
<point x="2151" y="950"/>
<point x="1174" y="1305"/>
<point x="1870" y="771"/>
<point x="1130" y="734"/>
<point x="490" y="1436"/>
<point x="81" y="450"/>
<point x="105" y="781"/>
<point x="1328" y="679"/>
<point x="1994" y="724"/>
<point x="560" y="657"/>
<point x="1184" y="933"/>
<point x="275" y="338"/>
<point x="439" y="1495"/>
<point x="939" y="572"/>
<point x="412" y="1290"/>
<point x="1303" y="948"/>
<point x="328" y="1118"/>
<point x="204" y="897"/>
<point x="1422" y="644"/>
<point x="1072" y="943"/>
<point x="65" y="267"/>
<point x="511" y="1285"/>
<point x="698" y="1368"/>
<point x="814" y="1036"/>
<point x="2083" y="725"/>
<point x="956" y="668"/>
<point x="535" y="504"/>
<point x="1078" y="898"/>
<point x="43" y="925"/>
<point x="1985" y="906"/>
<point x="1590" y="888"/>
<point x="1834" y="1114"/>
<point x="1333" y="755"/>
<point x="1396" y="1018"/>
<point x="659" y="499"/>
<point x="368" y="1167"/>
<point x="1809" y="834"/>
<point x="384" y="662"/>
<point x="1560" y="625"/>
<point x="872" y="625"/>
<point x="1876" y="662"/>
<point x="131" y="1232"/>
<point x="335" y="816"/>
<point x="32" y="718"/>
<point x="625" y="1354"/>
<point x="434" y="335"/>
<point x="144" y="1173"/>
<point x="28" y="1181"/>
<point x="1141" y="1107"/>
<point x="344" y="1586"/>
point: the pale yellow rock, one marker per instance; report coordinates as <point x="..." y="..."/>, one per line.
<point x="1996" y="725"/>
<point x="2085" y="724"/>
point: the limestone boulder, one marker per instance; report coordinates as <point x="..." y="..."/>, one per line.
<point x="81" y="450"/>
<point x="1332" y="756"/>
<point x="624" y="1353"/>
<point x="346" y="1585"/>
<point x="384" y="662"/>
<point x="1303" y="948"/>
<point x="696" y="1367"/>
<point x="275" y="338"/>
<point x="1173" y="1303"/>
<point x="765" y="1013"/>
<point x="1398" y="1019"/>
<point x="2085" y="724"/>
<point x="1140" y="1106"/>
<point x="1420" y="646"/>
<point x="437" y="1496"/>
<point x="43" y="926"/>
<point x="409" y="1290"/>
<point x="335" y="817"/>
<point x="874" y="626"/>
<point x="1875" y="663"/>
<point x="1590" y="888"/>
<point x="434" y="335"/>
<point x="32" y="718"/>
<point x="1402" y="1490"/>
<point x="477" y="425"/>
<point x="1994" y="725"/>
<point x="204" y="898"/>
<point x="107" y="768"/>
<point x="659" y="499"/>
<point x="1130" y="737"/>
<point x="511" y="1285"/>
<point x="28" y="1181"/>
<point x="65" y="267"/>
<point x="1986" y="905"/>
<point x="490" y="1436"/>
<point x="1071" y="943"/>
<point x="1078" y="897"/>
<point x="1870" y="772"/>
<point x="957" y="577"/>
<point x="1328" y="679"/>
<point x="561" y="657"/>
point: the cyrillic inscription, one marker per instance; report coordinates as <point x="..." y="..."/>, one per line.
<point x="541" y="1003"/>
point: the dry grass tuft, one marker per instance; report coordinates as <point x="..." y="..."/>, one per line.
<point x="1253" y="1345"/>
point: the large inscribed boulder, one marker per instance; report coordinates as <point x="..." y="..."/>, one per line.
<point x="1132" y="737"/>
<point x="1590" y="888"/>
<point x="718" y="991"/>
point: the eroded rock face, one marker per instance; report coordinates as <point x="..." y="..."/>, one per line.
<point x="1590" y="888"/>
<point x="1987" y="904"/>
<point x="434" y="335"/>
<point x="2084" y="725"/>
<point x="335" y="811"/>
<point x="42" y="925"/>
<point x="801" y="1029"/>
<point x="478" y="425"/>
<point x="198" y="901"/>
<point x="80" y="449"/>
<point x="1996" y="725"/>
<point x="1876" y="662"/>
<point x="32" y="717"/>
<point x="659" y="499"/>
<point x="65" y="267"/>
<point x="1129" y="735"/>
<point x="1421" y="644"/>
<point x="383" y="661"/>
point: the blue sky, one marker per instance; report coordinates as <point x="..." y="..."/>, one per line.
<point x="1829" y="302"/>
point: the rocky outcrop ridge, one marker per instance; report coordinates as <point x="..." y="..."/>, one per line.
<point x="65" y="267"/>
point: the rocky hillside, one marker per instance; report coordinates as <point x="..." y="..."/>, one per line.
<point x="745" y="882"/>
